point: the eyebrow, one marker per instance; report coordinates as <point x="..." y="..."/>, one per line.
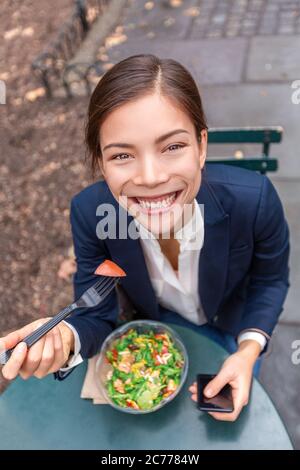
<point x="157" y="141"/>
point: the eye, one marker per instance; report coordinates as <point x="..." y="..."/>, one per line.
<point x="174" y="147"/>
<point x="121" y="156"/>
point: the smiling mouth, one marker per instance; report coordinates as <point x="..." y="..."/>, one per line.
<point x="157" y="204"/>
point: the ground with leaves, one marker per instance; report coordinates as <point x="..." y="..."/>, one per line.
<point x="41" y="168"/>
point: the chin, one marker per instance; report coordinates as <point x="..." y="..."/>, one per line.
<point x="161" y="223"/>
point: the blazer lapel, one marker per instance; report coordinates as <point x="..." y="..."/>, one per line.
<point x="213" y="260"/>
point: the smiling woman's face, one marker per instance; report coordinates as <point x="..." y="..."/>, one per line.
<point x="152" y="160"/>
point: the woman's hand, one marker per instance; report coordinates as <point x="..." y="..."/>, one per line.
<point x="236" y="371"/>
<point x="48" y="355"/>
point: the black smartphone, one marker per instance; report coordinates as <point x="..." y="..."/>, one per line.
<point x="222" y="403"/>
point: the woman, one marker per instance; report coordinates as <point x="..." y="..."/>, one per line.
<point x="205" y="246"/>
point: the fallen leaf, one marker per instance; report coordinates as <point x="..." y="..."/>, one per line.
<point x="239" y="155"/>
<point x="61" y="118"/>
<point x="91" y="14"/>
<point x="115" y="39"/>
<point x="27" y="31"/>
<point x="12" y="33"/>
<point x="193" y="11"/>
<point x="32" y="95"/>
<point x="175" y="3"/>
<point x="149" y="5"/>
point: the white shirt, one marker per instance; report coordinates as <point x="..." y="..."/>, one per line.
<point x="175" y="291"/>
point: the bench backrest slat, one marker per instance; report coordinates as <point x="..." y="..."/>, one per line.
<point x="248" y="135"/>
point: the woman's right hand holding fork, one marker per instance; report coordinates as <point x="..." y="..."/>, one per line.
<point x="46" y="356"/>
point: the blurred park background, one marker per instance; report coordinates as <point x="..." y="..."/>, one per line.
<point x="244" y="55"/>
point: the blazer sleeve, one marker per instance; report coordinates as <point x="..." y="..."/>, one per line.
<point x="269" y="272"/>
<point x="94" y="324"/>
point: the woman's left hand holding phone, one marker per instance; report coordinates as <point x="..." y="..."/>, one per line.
<point x="237" y="371"/>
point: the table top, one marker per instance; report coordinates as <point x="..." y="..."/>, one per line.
<point x="47" y="414"/>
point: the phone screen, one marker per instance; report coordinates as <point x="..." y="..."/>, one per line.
<point x="221" y="403"/>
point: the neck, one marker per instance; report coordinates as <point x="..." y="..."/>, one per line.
<point x="186" y="216"/>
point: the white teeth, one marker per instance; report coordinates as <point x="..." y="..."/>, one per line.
<point x="162" y="204"/>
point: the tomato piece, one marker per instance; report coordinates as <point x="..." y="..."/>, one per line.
<point x="115" y="354"/>
<point x="160" y="336"/>
<point x="109" y="268"/>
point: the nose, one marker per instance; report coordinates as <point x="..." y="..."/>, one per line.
<point x="150" y="172"/>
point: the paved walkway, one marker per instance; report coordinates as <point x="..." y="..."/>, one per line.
<point x="244" y="56"/>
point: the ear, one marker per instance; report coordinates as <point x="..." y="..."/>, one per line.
<point x="203" y="147"/>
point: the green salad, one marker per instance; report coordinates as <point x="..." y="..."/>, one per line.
<point x="146" y="368"/>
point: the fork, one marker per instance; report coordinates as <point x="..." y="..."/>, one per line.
<point x="90" y="298"/>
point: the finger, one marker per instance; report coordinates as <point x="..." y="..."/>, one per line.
<point x="216" y="384"/>
<point x="225" y="416"/>
<point x="193" y="388"/>
<point x="14" y="364"/>
<point x="238" y="403"/>
<point x="2" y="346"/>
<point x="239" y="399"/>
<point x="15" y="337"/>
<point x="33" y="358"/>
<point x="66" y="335"/>
<point x="47" y="357"/>
<point x="58" y="350"/>
<point x="12" y="339"/>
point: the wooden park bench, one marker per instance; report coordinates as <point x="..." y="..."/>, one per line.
<point x="247" y="135"/>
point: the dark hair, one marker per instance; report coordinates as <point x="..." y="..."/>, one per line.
<point x="133" y="78"/>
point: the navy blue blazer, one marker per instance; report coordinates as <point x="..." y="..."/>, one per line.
<point x="243" y="265"/>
